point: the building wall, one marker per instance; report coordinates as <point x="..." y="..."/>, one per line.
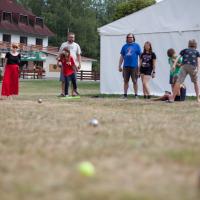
<point x="15" y="38"/>
<point x="1" y="36"/>
<point x="51" y="60"/>
<point x="31" y="40"/>
<point x="45" y="42"/>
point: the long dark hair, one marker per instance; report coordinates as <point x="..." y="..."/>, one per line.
<point x="149" y="43"/>
<point x="63" y="54"/>
<point x="132" y="35"/>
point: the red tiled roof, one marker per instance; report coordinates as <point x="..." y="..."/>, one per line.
<point x="13" y="7"/>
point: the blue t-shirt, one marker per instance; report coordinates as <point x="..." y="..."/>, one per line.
<point x="130" y="53"/>
<point x="189" y="56"/>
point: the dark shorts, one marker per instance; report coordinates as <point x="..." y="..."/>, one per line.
<point x="130" y="72"/>
<point x="173" y="79"/>
<point x="146" y="71"/>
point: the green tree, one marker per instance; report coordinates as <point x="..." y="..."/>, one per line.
<point x="82" y="17"/>
<point x="131" y="6"/>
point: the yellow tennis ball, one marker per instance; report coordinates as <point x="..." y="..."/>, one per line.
<point x="86" y="169"/>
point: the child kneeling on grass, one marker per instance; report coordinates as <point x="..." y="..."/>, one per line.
<point x="69" y="71"/>
<point x="168" y="95"/>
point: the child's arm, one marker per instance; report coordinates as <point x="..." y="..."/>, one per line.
<point x="179" y="63"/>
<point x="175" y="62"/>
<point x="59" y="63"/>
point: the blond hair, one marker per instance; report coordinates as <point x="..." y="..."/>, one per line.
<point x="192" y="44"/>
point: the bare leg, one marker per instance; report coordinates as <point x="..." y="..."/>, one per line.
<point x="176" y="90"/>
<point x="135" y="87"/>
<point x="196" y="87"/>
<point x="125" y="87"/>
<point x="63" y="87"/>
<point x="146" y="86"/>
<point x="143" y="87"/>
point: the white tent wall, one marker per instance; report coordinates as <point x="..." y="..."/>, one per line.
<point x="113" y="38"/>
<point x="111" y="80"/>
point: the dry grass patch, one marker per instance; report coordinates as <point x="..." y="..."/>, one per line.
<point x="142" y="150"/>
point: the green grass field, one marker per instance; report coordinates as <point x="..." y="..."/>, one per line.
<point x="141" y="150"/>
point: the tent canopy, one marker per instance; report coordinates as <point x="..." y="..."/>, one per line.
<point x="165" y="16"/>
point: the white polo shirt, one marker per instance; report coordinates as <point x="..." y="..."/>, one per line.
<point x="74" y="49"/>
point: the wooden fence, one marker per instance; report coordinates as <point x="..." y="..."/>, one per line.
<point x="40" y="73"/>
<point x="88" y="75"/>
<point x="32" y="73"/>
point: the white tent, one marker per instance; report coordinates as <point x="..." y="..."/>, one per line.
<point x="167" y="24"/>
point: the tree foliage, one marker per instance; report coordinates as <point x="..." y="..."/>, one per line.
<point x="82" y="17"/>
<point x="131" y="6"/>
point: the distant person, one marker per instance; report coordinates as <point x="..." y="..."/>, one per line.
<point x="190" y="65"/>
<point x="147" y="68"/>
<point x="130" y="53"/>
<point x="69" y="70"/>
<point x="10" y="83"/>
<point x="173" y="72"/>
<point x="75" y="52"/>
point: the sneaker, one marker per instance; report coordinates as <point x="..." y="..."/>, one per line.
<point x="136" y="97"/>
<point x="61" y="95"/>
<point x="149" y="97"/>
<point x="124" y="97"/>
<point x="75" y="93"/>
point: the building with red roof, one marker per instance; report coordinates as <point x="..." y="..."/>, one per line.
<point x="20" y="25"/>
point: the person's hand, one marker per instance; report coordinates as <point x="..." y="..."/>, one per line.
<point x="120" y="69"/>
<point x="78" y="68"/>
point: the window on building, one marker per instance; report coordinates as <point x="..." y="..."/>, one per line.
<point x="23" y="40"/>
<point x="6" y="38"/>
<point x="7" y="16"/>
<point x="15" y="18"/>
<point x="0" y="15"/>
<point x="39" y="41"/>
<point x="31" y="21"/>
<point x="23" y="19"/>
<point x="39" y="21"/>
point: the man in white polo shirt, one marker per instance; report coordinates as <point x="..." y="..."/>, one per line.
<point x="75" y="52"/>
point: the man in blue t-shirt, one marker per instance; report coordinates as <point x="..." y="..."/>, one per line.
<point x="130" y="53"/>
